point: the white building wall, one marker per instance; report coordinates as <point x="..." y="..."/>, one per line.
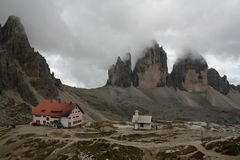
<point x="135" y="126"/>
<point x="142" y="126"/>
<point x="37" y="119"/>
<point x="75" y="118"/>
<point x="44" y="120"/>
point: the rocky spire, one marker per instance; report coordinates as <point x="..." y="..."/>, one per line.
<point x="120" y="74"/>
<point x="21" y="67"/>
<point x="219" y="83"/>
<point x="190" y="73"/>
<point x="151" y="70"/>
<point x="13" y="34"/>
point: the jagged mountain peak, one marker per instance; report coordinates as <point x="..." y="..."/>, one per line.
<point x="192" y="60"/>
<point x="190" y="73"/>
<point x="13" y="31"/>
<point x="120" y="74"/>
<point x="21" y="67"/>
<point x="151" y="69"/>
<point x="219" y="83"/>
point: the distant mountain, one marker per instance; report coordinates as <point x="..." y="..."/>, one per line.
<point x="190" y="92"/>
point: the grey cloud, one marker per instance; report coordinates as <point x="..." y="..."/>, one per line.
<point x="88" y="35"/>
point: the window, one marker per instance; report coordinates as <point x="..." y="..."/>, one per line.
<point x="141" y="124"/>
<point x="69" y="117"/>
<point x="47" y="118"/>
<point x="75" y="122"/>
<point x="44" y="122"/>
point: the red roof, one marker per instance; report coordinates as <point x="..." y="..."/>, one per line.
<point x="54" y="109"/>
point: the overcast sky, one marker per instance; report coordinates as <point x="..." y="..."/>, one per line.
<point x="82" y="38"/>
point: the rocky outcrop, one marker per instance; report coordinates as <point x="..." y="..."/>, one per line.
<point x="0" y="35"/>
<point x="190" y="73"/>
<point x="22" y="68"/>
<point x="237" y="88"/>
<point x="219" y="83"/>
<point x="14" y="36"/>
<point x="120" y="74"/>
<point x="151" y="70"/>
<point x="12" y="78"/>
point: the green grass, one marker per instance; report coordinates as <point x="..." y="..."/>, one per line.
<point x="102" y="150"/>
<point x="94" y="134"/>
<point x="4" y="131"/>
<point x="24" y="136"/>
<point x="40" y="149"/>
<point x="62" y="157"/>
<point x="139" y="137"/>
<point x="208" y="139"/>
<point x="227" y="147"/>
<point x="10" y="141"/>
<point x="176" y="152"/>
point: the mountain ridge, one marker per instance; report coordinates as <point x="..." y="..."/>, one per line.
<point x="191" y="92"/>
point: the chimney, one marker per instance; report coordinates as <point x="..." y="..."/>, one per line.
<point x="136" y="113"/>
